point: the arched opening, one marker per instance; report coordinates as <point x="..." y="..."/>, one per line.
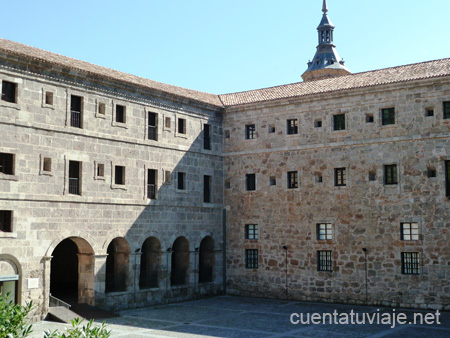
<point x="117" y="265"/>
<point x="207" y="260"/>
<point x="10" y="279"/>
<point x="150" y="263"/>
<point x="72" y="271"/>
<point x="180" y="262"/>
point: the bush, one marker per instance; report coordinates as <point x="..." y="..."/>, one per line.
<point x="13" y="319"/>
<point x="77" y="330"/>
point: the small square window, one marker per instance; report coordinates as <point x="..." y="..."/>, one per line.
<point x="340" y="177"/>
<point x="409" y="231"/>
<point x="181" y="181"/>
<point x="47" y="164"/>
<point x="167" y="122"/>
<point x="167" y="176"/>
<point x="446" y="108"/>
<point x="431" y="172"/>
<point x="272" y="181"/>
<point x="292" y="126"/>
<point x="7" y="163"/>
<point x="227" y="184"/>
<point x="9" y="91"/>
<point x="410" y="263"/>
<point x="271" y="129"/>
<point x="182" y="126"/>
<point x="390" y="174"/>
<point x="292" y="179"/>
<point x="101" y="108"/>
<point x="250" y="131"/>
<point x="387" y="116"/>
<point x="49" y="98"/>
<point x="251" y="231"/>
<point x="429" y="112"/>
<point x="120" y="114"/>
<point x="251" y="258"/>
<point x="319" y="178"/>
<point x="318" y="123"/>
<point x="369" y="118"/>
<point x="227" y="134"/>
<point x="372" y="175"/>
<point x="119" y="175"/>
<point x="250" y="182"/>
<point x="324" y="260"/>
<point x="6" y="221"/>
<point x="339" y="122"/>
<point x="324" y="231"/>
<point x="100" y="170"/>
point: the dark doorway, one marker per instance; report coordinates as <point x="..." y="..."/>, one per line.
<point x="180" y="262"/>
<point x="117" y="265"/>
<point x="207" y="260"/>
<point x="150" y="263"/>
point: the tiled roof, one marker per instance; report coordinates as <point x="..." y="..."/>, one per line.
<point x="406" y="73"/>
<point x="88" y="68"/>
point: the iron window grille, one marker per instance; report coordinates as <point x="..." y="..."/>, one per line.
<point x="324" y="260"/>
<point x="250" y="131"/>
<point x="250" y="182"/>
<point x="207" y="189"/>
<point x="75" y="111"/>
<point x="446" y="108"/>
<point x="207" y="136"/>
<point x="251" y="231"/>
<point x="292" y="179"/>
<point x="409" y="231"/>
<point x="340" y="177"/>
<point x="410" y="263"/>
<point x="6" y="220"/>
<point x="74" y="177"/>
<point x="151" y="183"/>
<point x="324" y="231"/>
<point x="390" y="174"/>
<point x="292" y="126"/>
<point x="9" y="91"/>
<point x="7" y="163"/>
<point x="387" y="116"/>
<point x="339" y="122"/>
<point x="251" y="258"/>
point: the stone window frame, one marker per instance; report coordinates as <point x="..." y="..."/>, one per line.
<point x="285" y="179"/>
<point x="254" y="133"/>
<point x="83" y="96"/>
<point x="245" y="182"/>
<point x="417" y="264"/>
<point x="249" y="256"/>
<point x="393" y="185"/>
<point x="318" y="230"/>
<point x="13" y="232"/>
<point x="19" y="91"/>
<point x="419" y="231"/>
<point x="186" y="185"/>
<point x="345" y="181"/>
<point x="13" y="176"/>
<point x="211" y="136"/>
<point x="333" y="121"/>
<point x="169" y="116"/>
<point x="255" y="231"/>
<point x="42" y="158"/>
<point x="82" y="161"/>
<point x="290" y="185"/>
<point x="48" y="89"/>
<point x="443" y="105"/>
<point x="97" y="108"/>
<point x="328" y="257"/>
<point x="96" y="176"/>
<point x="292" y="129"/>
<point x="127" y="111"/>
<point x="179" y="117"/>
<point x="158" y="183"/>
<point x="115" y="186"/>
<point x="391" y="125"/>
<point x="159" y="121"/>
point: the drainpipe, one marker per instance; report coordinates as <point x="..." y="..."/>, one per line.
<point x="286" y="265"/>
<point x="366" y="275"/>
<point x="224" y="246"/>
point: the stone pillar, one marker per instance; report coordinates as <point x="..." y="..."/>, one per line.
<point x="135" y="275"/>
<point x="100" y="277"/>
<point x="46" y="260"/>
<point x="86" y="283"/>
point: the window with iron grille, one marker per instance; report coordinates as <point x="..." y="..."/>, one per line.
<point x="251" y="231"/>
<point x="74" y="177"/>
<point x="390" y="174"/>
<point x="409" y="231"/>
<point x="120" y="113"/>
<point x="292" y="179"/>
<point x="250" y="131"/>
<point x="182" y="126"/>
<point x="76" y="104"/>
<point x="119" y="174"/>
<point x="7" y="163"/>
<point x="292" y="126"/>
<point x="340" y="177"/>
<point x="151" y="183"/>
<point x="207" y="180"/>
<point x="339" y="122"/>
<point x="410" y="263"/>
<point x="250" y="182"/>
<point x="446" y="107"/>
<point x="181" y="184"/>
<point x="207" y="136"/>
<point x="5" y="220"/>
<point x="9" y="91"/>
<point x="153" y="126"/>
<point x="387" y="116"/>
<point x="251" y="258"/>
<point x="324" y="260"/>
<point x="324" y="231"/>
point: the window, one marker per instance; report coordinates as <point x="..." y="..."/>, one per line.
<point x="324" y="261"/>
<point x="49" y="98"/>
<point x="250" y="182"/>
<point x="409" y="231"/>
<point x="167" y="176"/>
<point x="182" y="126"/>
<point x="100" y="170"/>
<point x="390" y="174"/>
<point x="251" y="231"/>
<point x="410" y="263"/>
<point x="101" y="108"/>
<point x="292" y="126"/>
<point x="429" y="112"/>
<point x="120" y="114"/>
<point x="153" y="126"/>
<point x="151" y="183"/>
<point x="181" y="184"/>
<point x="318" y="123"/>
<point x="5" y="220"/>
<point x="272" y="129"/>
<point x="207" y="136"/>
<point x="369" y="118"/>
<point x="340" y="177"/>
<point x="167" y="122"/>
<point x="76" y="104"/>
<point x="227" y="134"/>
<point x="447" y="178"/>
<point x="250" y="131"/>
<point x="7" y="163"/>
<point x="74" y="177"/>
<point x="119" y="174"/>
<point x="339" y="122"/>
<point x="207" y="189"/>
<point x="272" y="181"/>
<point x="446" y="110"/>
<point x="292" y="179"/>
<point x="319" y="178"/>
<point x="47" y="164"/>
<point x="251" y="258"/>
<point x="387" y="116"/>
<point x="324" y="231"/>
<point x="372" y="175"/>
<point x="227" y="184"/>
<point x="431" y="172"/>
<point x="9" y="91"/>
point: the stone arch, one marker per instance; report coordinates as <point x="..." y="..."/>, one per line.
<point x="207" y="260"/>
<point x="179" y="274"/>
<point x="117" y="265"/>
<point x="11" y="277"/>
<point x="69" y="234"/>
<point x="150" y="263"/>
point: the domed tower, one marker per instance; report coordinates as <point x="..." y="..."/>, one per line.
<point x="326" y="61"/>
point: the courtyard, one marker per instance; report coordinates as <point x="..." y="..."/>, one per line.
<point x="240" y="317"/>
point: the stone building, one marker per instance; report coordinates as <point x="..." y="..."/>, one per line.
<point x="113" y="187"/>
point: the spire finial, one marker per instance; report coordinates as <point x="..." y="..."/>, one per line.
<point x="325" y="7"/>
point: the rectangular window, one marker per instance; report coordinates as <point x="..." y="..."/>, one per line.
<point x="324" y="260"/>
<point x="340" y="177"/>
<point x="318" y="123"/>
<point x="250" y="182"/>
<point x="251" y="258"/>
<point x="292" y="126"/>
<point x="369" y="118"/>
<point x="167" y="175"/>
<point x="167" y="122"/>
<point x="339" y="122"/>
<point x="447" y="178"/>
<point x="272" y="181"/>
<point x="409" y="231"/>
<point x="74" y="177"/>
<point x="101" y="108"/>
<point x="182" y="126"/>
<point x="151" y="183"/>
<point x="410" y="263"/>
<point x="120" y="113"/>
<point x="429" y="112"/>
<point x="9" y="91"/>
<point x="5" y="221"/>
<point x="207" y="180"/>
<point x="76" y="104"/>
<point x="100" y="170"/>
<point x="7" y="163"/>
<point x="181" y="184"/>
<point x="446" y="107"/>
<point x="390" y="174"/>
<point x="49" y="98"/>
<point x="250" y="131"/>
<point x="207" y="136"/>
<point x="153" y="126"/>
<point x="292" y="179"/>
<point x="324" y="231"/>
<point x="251" y="231"/>
<point x="119" y="174"/>
<point x="272" y="129"/>
<point x="387" y="116"/>
<point x="47" y="164"/>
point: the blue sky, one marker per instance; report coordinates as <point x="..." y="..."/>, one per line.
<point x="223" y="46"/>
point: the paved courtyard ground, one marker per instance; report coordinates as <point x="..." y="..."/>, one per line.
<point x="238" y="317"/>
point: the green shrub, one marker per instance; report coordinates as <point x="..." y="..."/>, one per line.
<point x="13" y="319"/>
<point x="79" y="330"/>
